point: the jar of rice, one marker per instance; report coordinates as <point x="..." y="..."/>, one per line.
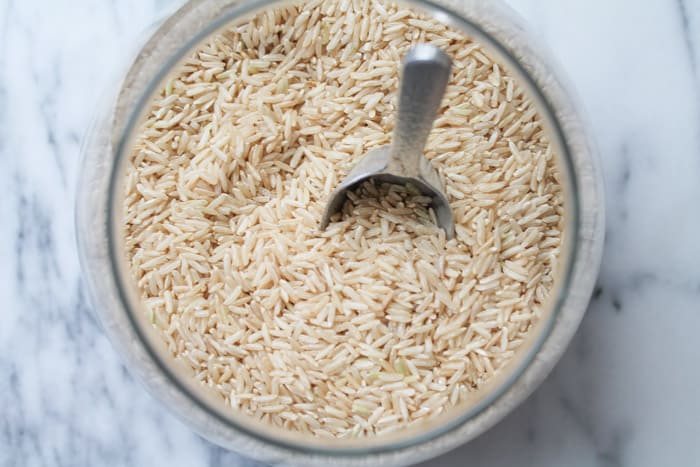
<point x="377" y="340"/>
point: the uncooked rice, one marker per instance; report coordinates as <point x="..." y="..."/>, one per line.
<point x="378" y="322"/>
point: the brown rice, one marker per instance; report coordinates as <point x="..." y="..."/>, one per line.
<point x="378" y="322"/>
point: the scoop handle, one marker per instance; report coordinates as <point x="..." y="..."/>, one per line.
<point x="425" y="73"/>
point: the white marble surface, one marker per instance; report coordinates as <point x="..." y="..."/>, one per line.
<point x="625" y="394"/>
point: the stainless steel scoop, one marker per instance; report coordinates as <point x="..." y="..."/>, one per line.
<point x="426" y="70"/>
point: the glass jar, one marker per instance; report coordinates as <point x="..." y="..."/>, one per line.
<point x="115" y="300"/>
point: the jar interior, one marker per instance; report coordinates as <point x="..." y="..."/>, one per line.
<point x="183" y="33"/>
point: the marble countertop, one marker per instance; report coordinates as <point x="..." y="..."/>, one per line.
<point x="625" y="393"/>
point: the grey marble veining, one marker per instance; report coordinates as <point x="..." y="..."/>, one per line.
<point x="625" y="393"/>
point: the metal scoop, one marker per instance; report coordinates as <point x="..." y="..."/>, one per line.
<point x="426" y="70"/>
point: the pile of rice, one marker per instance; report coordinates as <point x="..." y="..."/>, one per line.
<point x="378" y="322"/>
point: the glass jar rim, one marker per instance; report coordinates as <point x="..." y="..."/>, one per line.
<point x="445" y="14"/>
